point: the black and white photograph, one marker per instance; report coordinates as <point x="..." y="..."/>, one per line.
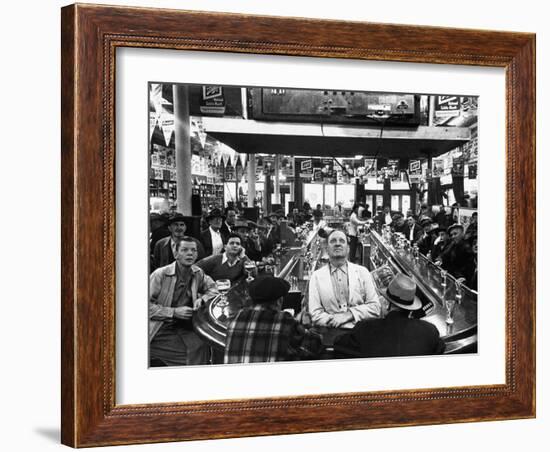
<point x="294" y="224"/>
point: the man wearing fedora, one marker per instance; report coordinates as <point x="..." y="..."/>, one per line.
<point x="213" y="239"/>
<point x="274" y="230"/>
<point x="251" y="241"/>
<point x="264" y="333"/>
<point x="342" y="293"/>
<point x="165" y="249"/>
<point x="395" y="335"/>
<point x="176" y="291"/>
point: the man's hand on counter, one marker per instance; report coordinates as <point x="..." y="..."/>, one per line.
<point x="339" y="319"/>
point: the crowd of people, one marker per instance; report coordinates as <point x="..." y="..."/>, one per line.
<point x="341" y="295"/>
<point x="440" y="237"/>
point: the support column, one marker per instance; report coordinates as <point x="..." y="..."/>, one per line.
<point x="387" y="192"/>
<point x="431" y="111"/>
<point x="182" y="131"/>
<point x="251" y="179"/>
<point x="293" y="183"/>
<point x="277" y="185"/>
<point x="267" y="194"/>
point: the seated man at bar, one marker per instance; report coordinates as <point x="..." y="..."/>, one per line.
<point x="414" y="231"/>
<point x="250" y="240"/>
<point x="425" y="242"/>
<point x="229" y="265"/>
<point x="342" y="293"/>
<point x="264" y="333"/>
<point x="165" y="249"/>
<point x="395" y="335"/>
<point x="385" y="217"/>
<point x="457" y="258"/>
<point x="399" y="224"/>
<point x="176" y="291"/>
<point x="441" y="242"/>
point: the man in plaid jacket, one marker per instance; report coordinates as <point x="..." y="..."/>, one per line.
<point x="264" y="333"/>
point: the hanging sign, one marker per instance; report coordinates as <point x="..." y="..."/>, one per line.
<point x="414" y="167"/>
<point x="446" y="106"/>
<point x="458" y="166"/>
<point x="212" y="100"/>
<point x="438" y="167"/>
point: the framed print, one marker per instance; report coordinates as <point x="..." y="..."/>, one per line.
<point x="270" y="225"/>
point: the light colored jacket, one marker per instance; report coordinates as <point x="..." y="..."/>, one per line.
<point x="161" y="291"/>
<point x="364" y="301"/>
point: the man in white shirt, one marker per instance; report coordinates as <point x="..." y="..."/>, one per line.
<point x="342" y="293"/>
<point x="212" y="238"/>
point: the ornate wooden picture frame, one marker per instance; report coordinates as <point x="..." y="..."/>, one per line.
<point x="90" y="38"/>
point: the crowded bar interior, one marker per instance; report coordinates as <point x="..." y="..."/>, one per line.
<point x="296" y="224"/>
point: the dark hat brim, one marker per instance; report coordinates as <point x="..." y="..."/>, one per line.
<point x="176" y="219"/>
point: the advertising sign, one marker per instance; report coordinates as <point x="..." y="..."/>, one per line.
<point x="446" y="106"/>
<point x="212" y="100"/>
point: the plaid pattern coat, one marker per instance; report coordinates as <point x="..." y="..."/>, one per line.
<point x="264" y="334"/>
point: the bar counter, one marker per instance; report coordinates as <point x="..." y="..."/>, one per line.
<point x="295" y="264"/>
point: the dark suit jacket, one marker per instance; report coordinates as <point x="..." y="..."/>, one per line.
<point x="206" y="239"/>
<point x="458" y="259"/>
<point x="416" y="234"/>
<point x="224" y="229"/>
<point x="162" y="254"/>
<point x="425" y="243"/>
<point x="396" y="335"/>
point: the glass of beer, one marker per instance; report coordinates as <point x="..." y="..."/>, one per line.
<point x="223" y="286"/>
<point x="450" y="304"/>
<point x="249" y="267"/>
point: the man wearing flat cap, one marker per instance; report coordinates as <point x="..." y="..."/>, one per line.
<point x="441" y="241"/>
<point x="457" y="258"/>
<point x="264" y="333"/>
<point x="426" y="240"/>
<point x="165" y="249"/>
<point x="213" y="239"/>
<point x="395" y="335"/>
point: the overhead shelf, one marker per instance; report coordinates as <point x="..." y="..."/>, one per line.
<point x="314" y="139"/>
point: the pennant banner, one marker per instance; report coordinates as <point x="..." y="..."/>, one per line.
<point x="167" y="126"/>
<point x="232" y="157"/>
<point x="243" y="158"/>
